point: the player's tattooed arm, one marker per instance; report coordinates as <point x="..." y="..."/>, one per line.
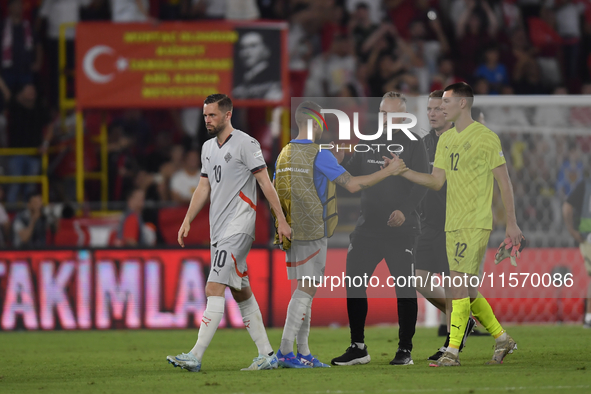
<point x="343" y="179"/>
<point x="357" y="183"/>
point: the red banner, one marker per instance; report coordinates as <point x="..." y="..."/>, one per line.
<point x="158" y="289"/>
<point x="115" y="289"/>
<point x="120" y="65"/>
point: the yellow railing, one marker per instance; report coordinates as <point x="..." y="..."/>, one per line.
<point x="42" y="179"/>
<point x="66" y="104"/>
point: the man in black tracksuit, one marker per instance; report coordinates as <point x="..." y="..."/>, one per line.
<point x="387" y="228"/>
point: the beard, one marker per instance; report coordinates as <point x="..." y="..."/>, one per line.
<point x="215" y="130"/>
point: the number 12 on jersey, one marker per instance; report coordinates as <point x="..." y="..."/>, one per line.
<point x="455" y="157"/>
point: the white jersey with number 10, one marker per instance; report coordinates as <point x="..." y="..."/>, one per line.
<point x="230" y="168"/>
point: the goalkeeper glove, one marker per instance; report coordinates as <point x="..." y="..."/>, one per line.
<point x="285" y="245"/>
<point x="507" y="249"/>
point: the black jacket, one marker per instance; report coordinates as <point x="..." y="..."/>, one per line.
<point x="393" y="193"/>
<point x="433" y="205"/>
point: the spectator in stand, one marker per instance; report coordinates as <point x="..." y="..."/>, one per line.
<point x="330" y="72"/>
<point x="224" y="9"/>
<point x="412" y="52"/>
<point x="403" y="13"/>
<point x="184" y="182"/>
<point x="173" y="10"/>
<point x="28" y="118"/>
<point x="361" y="27"/>
<point x="56" y="12"/>
<point x="334" y="24"/>
<point x="207" y="9"/>
<point x="31" y="225"/>
<point x="4" y="222"/>
<point x="4" y="95"/>
<point x="374" y="8"/>
<point x="134" y="125"/>
<point x="545" y="38"/>
<point x="131" y="11"/>
<point x="123" y="164"/>
<point x="492" y="71"/>
<point x="160" y="152"/>
<point x="445" y="76"/>
<point x="570" y="173"/>
<point x="382" y="40"/>
<point x="132" y="230"/>
<point x="301" y="26"/>
<point x="568" y="24"/>
<point x="384" y="68"/>
<point x="272" y="9"/>
<point x="530" y="80"/>
<point x="510" y="15"/>
<point x="4" y="100"/>
<point x="481" y="87"/>
<point x="167" y="170"/>
<point x="147" y="182"/>
<point x="476" y="28"/>
<point x="520" y="53"/>
<point x="21" y="54"/>
<point x="422" y="51"/>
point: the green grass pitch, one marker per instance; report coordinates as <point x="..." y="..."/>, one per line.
<point x="550" y="359"/>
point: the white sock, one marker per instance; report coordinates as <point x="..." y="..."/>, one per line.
<point x="360" y="345"/>
<point x="302" y="337"/>
<point x="209" y="324"/>
<point x="588" y="317"/>
<point x="296" y="314"/>
<point x="502" y="337"/>
<point x="453" y="350"/>
<point x="253" y="321"/>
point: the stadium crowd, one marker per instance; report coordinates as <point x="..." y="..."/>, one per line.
<point x="340" y="48"/>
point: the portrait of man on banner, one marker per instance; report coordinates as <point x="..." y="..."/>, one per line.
<point x="257" y="73"/>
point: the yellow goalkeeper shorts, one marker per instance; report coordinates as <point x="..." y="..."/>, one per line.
<point x="466" y="249"/>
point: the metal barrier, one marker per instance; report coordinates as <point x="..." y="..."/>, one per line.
<point x="67" y="103"/>
<point x="42" y="179"/>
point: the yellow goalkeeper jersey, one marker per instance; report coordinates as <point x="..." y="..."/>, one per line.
<point x="468" y="159"/>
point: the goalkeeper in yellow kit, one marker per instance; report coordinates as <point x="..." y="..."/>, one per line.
<point x="468" y="157"/>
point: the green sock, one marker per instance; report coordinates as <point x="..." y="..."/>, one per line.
<point x="483" y="312"/>
<point x="459" y="318"/>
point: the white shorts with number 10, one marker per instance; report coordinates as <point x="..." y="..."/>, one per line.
<point x="228" y="261"/>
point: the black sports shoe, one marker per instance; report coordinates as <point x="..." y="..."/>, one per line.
<point x="353" y="356"/>
<point x="402" y="358"/>
<point x="438" y="355"/>
<point x="469" y="328"/>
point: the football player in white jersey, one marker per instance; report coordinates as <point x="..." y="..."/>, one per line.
<point x="232" y="164"/>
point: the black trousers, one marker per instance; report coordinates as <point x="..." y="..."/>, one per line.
<point x="365" y="253"/>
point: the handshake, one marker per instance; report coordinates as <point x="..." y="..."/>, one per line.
<point x="394" y="165"/>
